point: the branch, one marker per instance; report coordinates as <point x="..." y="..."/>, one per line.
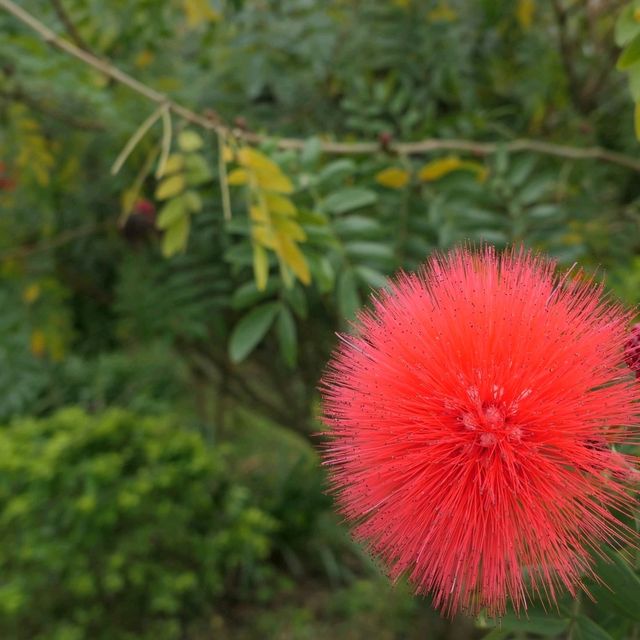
<point x="70" y="28"/>
<point x="211" y="122"/>
<point x="138" y="134"/>
<point x="57" y="241"/>
<point x="36" y="104"/>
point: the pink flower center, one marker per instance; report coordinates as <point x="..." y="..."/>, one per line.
<point x="491" y="424"/>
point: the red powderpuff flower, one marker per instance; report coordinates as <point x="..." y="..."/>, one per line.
<point x="471" y="424"/>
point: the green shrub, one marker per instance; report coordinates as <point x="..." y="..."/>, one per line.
<point x="117" y="527"/>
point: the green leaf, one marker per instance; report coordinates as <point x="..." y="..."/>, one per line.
<point x="171" y="212"/>
<point x="240" y="254"/>
<point x="348" y="296"/>
<point x="627" y="27"/>
<point x="349" y="199"/>
<point x="311" y="151"/>
<point x="323" y="272"/>
<point x="248" y="294"/>
<point x="287" y="336"/>
<point x="546" y="212"/>
<point x="197" y="169"/>
<point x="521" y="169"/>
<point x="542" y="625"/>
<point x="634" y="81"/>
<point x="587" y="629"/>
<point x="337" y="170"/>
<point x="369" y="250"/>
<point x="250" y="330"/>
<point x="189" y="141"/>
<point x="497" y="634"/>
<point x="535" y="189"/>
<point x="297" y="300"/>
<point x="371" y="277"/>
<point x="621" y="589"/>
<point x="356" y="225"/>
<point x="175" y="236"/>
<point x="630" y="55"/>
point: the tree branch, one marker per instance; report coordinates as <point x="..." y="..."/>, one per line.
<point x="70" y="28"/>
<point x="57" y="241"/>
<point x="212" y="122"/>
<point x="36" y="104"/>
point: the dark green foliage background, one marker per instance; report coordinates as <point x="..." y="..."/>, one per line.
<point x="193" y="393"/>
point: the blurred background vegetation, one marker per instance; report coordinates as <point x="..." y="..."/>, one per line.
<point x="172" y="281"/>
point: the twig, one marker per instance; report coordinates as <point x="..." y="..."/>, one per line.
<point x="336" y="148"/>
<point x="70" y="28"/>
<point x="166" y="141"/>
<point x="35" y="103"/>
<point x="222" y="175"/>
<point x="57" y="241"/>
<point x="136" y="137"/>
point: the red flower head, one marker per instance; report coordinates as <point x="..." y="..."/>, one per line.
<point x="145" y="208"/>
<point x="471" y="425"/>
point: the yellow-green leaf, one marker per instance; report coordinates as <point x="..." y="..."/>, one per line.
<point x="475" y="167"/>
<point x="294" y="258"/>
<point x="277" y="182"/>
<point x="264" y="236"/>
<point x="199" y="11"/>
<point x="189" y="141"/>
<point x="436" y="169"/>
<point x="175" y="237"/>
<point x="442" y="13"/>
<point x="31" y="293"/>
<point x="630" y="54"/>
<point x="256" y="160"/>
<point x="174" y="163"/>
<point x="238" y="177"/>
<point x="279" y="204"/>
<point x="260" y="267"/>
<point x="170" y="187"/>
<point x="524" y="13"/>
<point x="192" y="201"/>
<point x="129" y="198"/>
<point x="143" y="59"/>
<point x="38" y="343"/>
<point x="393" y="178"/>
<point x="258" y="213"/>
<point x="172" y="211"/>
<point x="268" y="174"/>
<point x="290" y="229"/>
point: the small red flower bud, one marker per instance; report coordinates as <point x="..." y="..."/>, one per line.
<point x="146" y="208"/>
<point x="385" y="139"/>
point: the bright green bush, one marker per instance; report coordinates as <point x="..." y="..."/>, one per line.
<point x="117" y="526"/>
